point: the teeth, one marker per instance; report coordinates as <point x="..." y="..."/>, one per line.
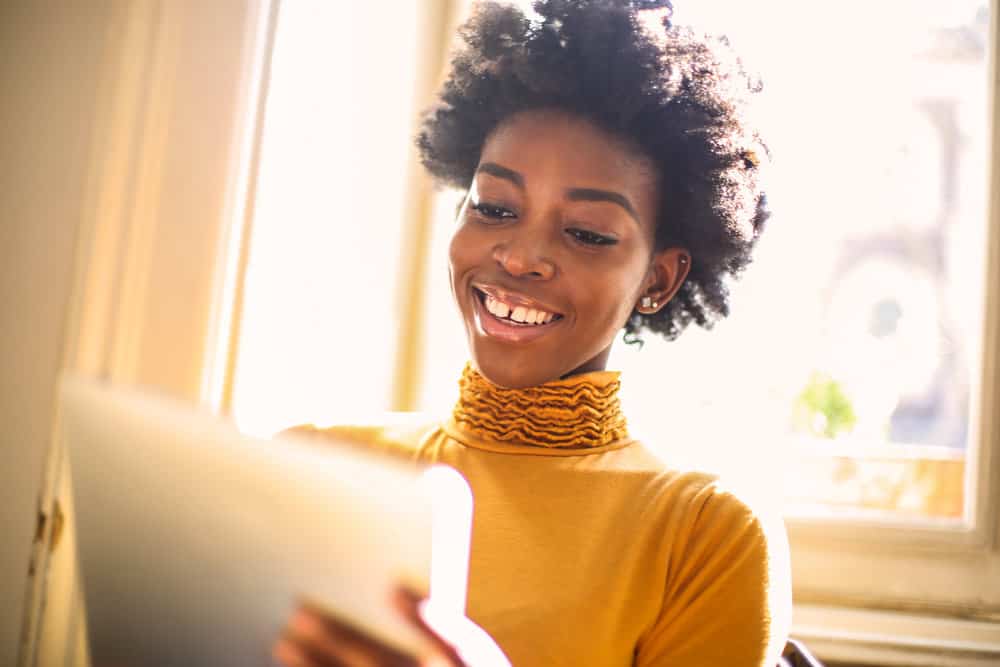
<point x="521" y="314"/>
<point x="498" y="308"/>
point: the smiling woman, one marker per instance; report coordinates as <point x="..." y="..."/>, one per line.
<point x="611" y="184"/>
<point x="540" y="235"/>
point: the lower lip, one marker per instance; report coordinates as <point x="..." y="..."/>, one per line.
<point x="505" y="330"/>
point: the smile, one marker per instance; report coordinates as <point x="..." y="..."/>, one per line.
<point x="511" y="317"/>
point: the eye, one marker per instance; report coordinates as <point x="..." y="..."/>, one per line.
<point x="588" y="237"/>
<point x="492" y="211"/>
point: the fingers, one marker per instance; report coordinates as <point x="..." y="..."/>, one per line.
<point x="407" y="602"/>
<point x="289" y="652"/>
<point x="314" y="639"/>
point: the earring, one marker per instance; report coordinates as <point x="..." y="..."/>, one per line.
<point x="646" y="302"/>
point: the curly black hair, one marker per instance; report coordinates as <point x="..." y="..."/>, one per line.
<point x="677" y="97"/>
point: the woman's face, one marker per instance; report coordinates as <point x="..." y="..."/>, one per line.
<point x="554" y="248"/>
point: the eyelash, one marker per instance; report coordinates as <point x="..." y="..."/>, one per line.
<point x="584" y="236"/>
<point x="491" y="211"/>
<point x="591" y="238"/>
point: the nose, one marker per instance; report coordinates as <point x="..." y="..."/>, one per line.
<point x="523" y="258"/>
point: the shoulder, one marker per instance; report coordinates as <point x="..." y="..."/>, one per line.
<point x="725" y="525"/>
<point x="675" y="489"/>
<point x="398" y="433"/>
<point x="708" y="514"/>
<point x="728" y="576"/>
<point x="706" y="500"/>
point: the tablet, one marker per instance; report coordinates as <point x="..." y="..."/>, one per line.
<point x="195" y="541"/>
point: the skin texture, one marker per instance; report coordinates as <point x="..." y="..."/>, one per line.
<point x="530" y="226"/>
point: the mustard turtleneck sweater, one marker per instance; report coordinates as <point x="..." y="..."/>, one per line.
<point x="586" y="548"/>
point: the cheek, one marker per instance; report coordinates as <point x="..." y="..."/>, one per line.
<point x="468" y="247"/>
<point x="463" y="255"/>
<point x="457" y="253"/>
<point x="611" y="299"/>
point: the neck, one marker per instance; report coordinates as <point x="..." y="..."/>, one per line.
<point x="581" y="411"/>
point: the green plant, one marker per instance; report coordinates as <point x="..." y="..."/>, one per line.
<point x="823" y="408"/>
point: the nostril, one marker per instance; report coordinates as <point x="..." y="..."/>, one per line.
<point x="523" y="262"/>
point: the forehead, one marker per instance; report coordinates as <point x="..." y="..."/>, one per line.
<point x="569" y="151"/>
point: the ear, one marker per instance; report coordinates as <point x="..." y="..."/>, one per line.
<point x="666" y="274"/>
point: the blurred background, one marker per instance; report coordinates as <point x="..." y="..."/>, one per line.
<point x="221" y="201"/>
<point x="853" y="334"/>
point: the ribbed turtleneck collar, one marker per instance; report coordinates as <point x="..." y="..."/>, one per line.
<point x="577" y="415"/>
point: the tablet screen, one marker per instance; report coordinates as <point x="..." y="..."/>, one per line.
<point x="195" y="541"/>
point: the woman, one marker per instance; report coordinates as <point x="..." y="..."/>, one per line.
<point x="612" y="183"/>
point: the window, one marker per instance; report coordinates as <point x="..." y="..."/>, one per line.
<point x="854" y="340"/>
<point x="320" y="318"/>
<point x="852" y="379"/>
<point x="851" y="351"/>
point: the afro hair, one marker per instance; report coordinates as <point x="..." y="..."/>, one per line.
<point x="678" y="97"/>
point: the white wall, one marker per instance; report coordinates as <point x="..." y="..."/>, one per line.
<point x="50" y="62"/>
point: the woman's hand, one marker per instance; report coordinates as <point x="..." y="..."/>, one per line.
<point x="313" y="639"/>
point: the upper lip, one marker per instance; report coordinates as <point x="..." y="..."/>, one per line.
<point x="514" y="298"/>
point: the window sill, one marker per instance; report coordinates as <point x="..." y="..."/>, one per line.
<point x="872" y="637"/>
<point x="904" y="482"/>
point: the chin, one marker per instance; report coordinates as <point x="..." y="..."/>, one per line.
<point x="512" y="375"/>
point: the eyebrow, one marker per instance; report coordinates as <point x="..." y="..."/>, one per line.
<point x="574" y="194"/>
<point x="493" y="169"/>
<point x="590" y="194"/>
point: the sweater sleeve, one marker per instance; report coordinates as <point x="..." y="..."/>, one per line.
<point x="727" y="597"/>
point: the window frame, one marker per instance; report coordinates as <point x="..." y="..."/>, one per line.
<point x="902" y="593"/>
<point x="958" y="554"/>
